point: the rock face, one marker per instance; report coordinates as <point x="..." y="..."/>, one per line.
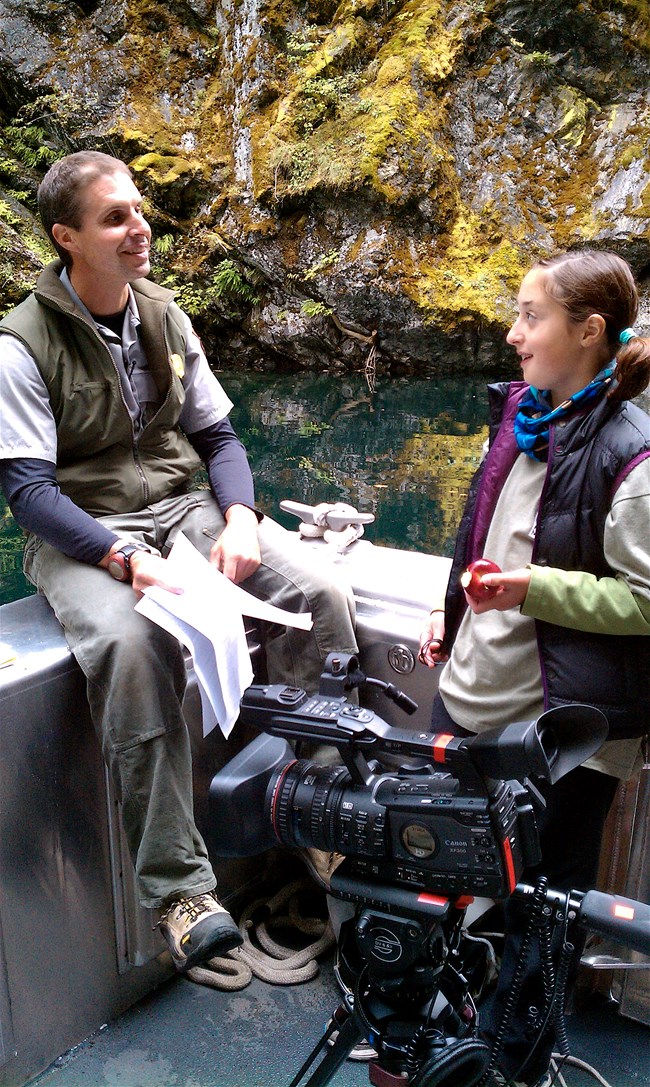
<point x="346" y="186"/>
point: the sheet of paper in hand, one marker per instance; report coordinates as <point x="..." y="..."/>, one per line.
<point x="207" y="619"/>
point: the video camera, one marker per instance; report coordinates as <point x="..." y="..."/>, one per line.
<point x="452" y="816"/>
<point x="425" y="822"/>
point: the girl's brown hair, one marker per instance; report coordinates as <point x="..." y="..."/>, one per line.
<point x="590" y="281"/>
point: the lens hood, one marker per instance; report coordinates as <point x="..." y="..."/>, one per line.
<point x="237" y="794"/>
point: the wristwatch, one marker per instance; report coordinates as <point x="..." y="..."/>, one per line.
<point x="119" y="564"/>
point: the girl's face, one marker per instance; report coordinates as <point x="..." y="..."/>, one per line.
<point x="556" y="353"/>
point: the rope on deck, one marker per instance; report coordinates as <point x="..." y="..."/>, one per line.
<point x="261" y="955"/>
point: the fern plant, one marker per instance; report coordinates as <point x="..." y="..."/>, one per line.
<point x="229" y="280"/>
<point x="311" y="308"/>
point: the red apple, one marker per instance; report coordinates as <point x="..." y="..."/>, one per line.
<point x="472" y="579"/>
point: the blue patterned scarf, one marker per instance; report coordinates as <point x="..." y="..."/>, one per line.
<point x="535" y="415"/>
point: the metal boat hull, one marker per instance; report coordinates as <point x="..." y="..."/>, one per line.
<point x="76" y="948"/>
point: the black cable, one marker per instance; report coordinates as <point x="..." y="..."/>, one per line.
<point x="358" y="1007"/>
<point x="549" y="985"/>
<point x="548" y="974"/>
<point x="555" y="1002"/>
<point x="561" y="984"/>
<point x="418" y="1048"/>
<point x="537" y="904"/>
<point x="394" y="693"/>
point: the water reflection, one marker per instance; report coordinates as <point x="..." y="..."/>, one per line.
<point x="405" y="453"/>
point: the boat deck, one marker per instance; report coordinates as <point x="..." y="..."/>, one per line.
<point x="189" y="1035"/>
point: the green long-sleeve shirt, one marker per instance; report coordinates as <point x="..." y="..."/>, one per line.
<point x="608" y="605"/>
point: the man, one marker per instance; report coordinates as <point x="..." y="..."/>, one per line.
<point x="108" y="408"/>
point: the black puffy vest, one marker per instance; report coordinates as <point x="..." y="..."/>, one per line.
<point x="588" y="457"/>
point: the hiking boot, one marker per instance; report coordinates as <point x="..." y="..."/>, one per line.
<point x="320" y="864"/>
<point x="197" y="928"/>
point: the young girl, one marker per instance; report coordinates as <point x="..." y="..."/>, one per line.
<point x="561" y="503"/>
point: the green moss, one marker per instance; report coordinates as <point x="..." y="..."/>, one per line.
<point x="176" y="98"/>
<point x="359" y="117"/>
<point x="466" y="277"/>
<point x="23" y="255"/>
<point x="424" y="37"/>
<point x="632" y="152"/>
<point x="576" y="108"/>
<point x="643" y="210"/>
<point x="358" y="98"/>
<point x="364" y="117"/>
<point x="165" y="169"/>
<point x="629" y="17"/>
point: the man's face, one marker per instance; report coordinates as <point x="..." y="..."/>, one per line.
<point x="111" y="246"/>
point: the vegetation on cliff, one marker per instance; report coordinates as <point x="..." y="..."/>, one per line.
<point x="332" y="183"/>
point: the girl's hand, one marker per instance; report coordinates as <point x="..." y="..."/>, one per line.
<point x="431" y="638"/>
<point x="511" y="586"/>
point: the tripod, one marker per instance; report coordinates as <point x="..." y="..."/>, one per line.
<point x="411" y="998"/>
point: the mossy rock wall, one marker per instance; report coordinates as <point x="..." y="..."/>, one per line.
<point x="340" y="186"/>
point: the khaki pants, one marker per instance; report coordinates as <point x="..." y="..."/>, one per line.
<point x="136" y="675"/>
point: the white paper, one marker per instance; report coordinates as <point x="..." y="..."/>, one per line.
<point x="191" y="569"/>
<point x="207" y="619"/>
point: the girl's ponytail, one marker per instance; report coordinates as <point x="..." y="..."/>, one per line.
<point x="632" y="371"/>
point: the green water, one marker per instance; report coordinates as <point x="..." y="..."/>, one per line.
<point x="405" y="453"/>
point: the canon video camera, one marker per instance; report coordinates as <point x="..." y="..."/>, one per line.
<point x="422" y="812"/>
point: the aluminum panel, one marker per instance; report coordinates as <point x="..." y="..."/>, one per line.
<point x="6" y="1028"/>
<point x="56" y="894"/>
<point x="633" y="987"/>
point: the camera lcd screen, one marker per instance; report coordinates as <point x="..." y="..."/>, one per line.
<point x="418" y="840"/>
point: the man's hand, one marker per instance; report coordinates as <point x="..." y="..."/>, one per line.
<point x="149" y="570"/>
<point x="237" y="551"/>
<point x="146" y="570"/>
<point x="511" y="586"/>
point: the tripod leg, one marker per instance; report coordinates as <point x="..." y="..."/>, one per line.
<point x="349" y="1034"/>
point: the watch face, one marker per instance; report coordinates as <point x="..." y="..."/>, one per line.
<point x="117" y="567"/>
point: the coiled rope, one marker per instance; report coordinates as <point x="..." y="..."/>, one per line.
<point x="270" y="961"/>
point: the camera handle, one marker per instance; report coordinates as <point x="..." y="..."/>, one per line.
<point x="623" y="919"/>
<point x="341" y="673"/>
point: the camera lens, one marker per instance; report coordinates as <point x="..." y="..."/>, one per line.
<point x="319" y="806"/>
<point x="304" y="801"/>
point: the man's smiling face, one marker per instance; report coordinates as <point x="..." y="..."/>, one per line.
<point x="111" y="246"/>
